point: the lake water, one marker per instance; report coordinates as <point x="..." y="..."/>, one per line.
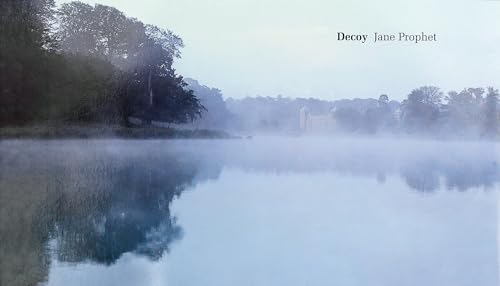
<point x="267" y="211"/>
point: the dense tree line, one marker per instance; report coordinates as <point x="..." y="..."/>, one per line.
<point x="83" y="63"/>
<point x="378" y="116"/>
<point x="282" y="114"/>
<point x="472" y="112"/>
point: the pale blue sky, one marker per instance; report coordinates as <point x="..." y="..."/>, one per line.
<point x="289" y="47"/>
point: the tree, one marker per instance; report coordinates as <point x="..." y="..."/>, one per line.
<point x="420" y="111"/>
<point x="383" y="101"/>
<point x="25" y="47"/>
<point x="464" y="109"/>
<point x="149" y="87"/>
<point x="217" y="115"/>
<point x="348" y="119"/>
<point x="380" y="117"/>
<point x="491" y="113"/>
<point x="100" y="31"/>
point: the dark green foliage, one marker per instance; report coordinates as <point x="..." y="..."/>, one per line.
<point x="24" y="49"/>
<point x="82" y="90"/>
<point x="86" y="63"/>
<point x="172" y="102"/>
<point x="148" y="87"/>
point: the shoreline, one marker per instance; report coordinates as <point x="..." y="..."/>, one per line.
<point x="108" y="132"/>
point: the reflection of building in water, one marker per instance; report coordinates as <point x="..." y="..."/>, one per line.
<point x="317" y="123"/>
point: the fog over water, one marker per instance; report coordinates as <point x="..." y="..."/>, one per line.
<point x="306" y="158"/>
<point x="266" y="211"/>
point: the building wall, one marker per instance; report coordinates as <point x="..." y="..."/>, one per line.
<point x="323" y="123"/>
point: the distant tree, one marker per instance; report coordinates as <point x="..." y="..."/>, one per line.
<point x="216" y="114"/>
<point x="380" y="117"/>
<point x="282" y="114"/>
<point x="372" y="120"/>
<point x="420" y="111"/>
<point x="464" y="109"/>
<point x="383" y="101"/>
<point x="477" y="93"/>
<point x="348" y="119"/>
<point x="491" y="120"/>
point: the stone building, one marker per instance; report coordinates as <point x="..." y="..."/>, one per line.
<point x="320" y="123"/>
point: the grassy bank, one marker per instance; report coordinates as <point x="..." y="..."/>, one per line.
<point x="91" y="132"/>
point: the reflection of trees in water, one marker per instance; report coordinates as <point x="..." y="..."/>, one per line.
<point x="23" y="231"/>
<point x="96" y="206"/>
<point x="472" y="175"/>
<point x="99" y="201"/>
<point x="127" y="211"/>
<point x="424" y="175"/>
<point x="421" y="164"/>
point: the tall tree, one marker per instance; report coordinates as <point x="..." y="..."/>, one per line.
<point x="420" y="111"/>
<point x="25" y="44"/>
<point x="464" y="109"/>
<point x="144" y="54"/>
<point x="100" y="31"/>
<point x="491" y="119"/>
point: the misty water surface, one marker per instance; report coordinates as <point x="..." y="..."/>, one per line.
<point x="268" y="211"/>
